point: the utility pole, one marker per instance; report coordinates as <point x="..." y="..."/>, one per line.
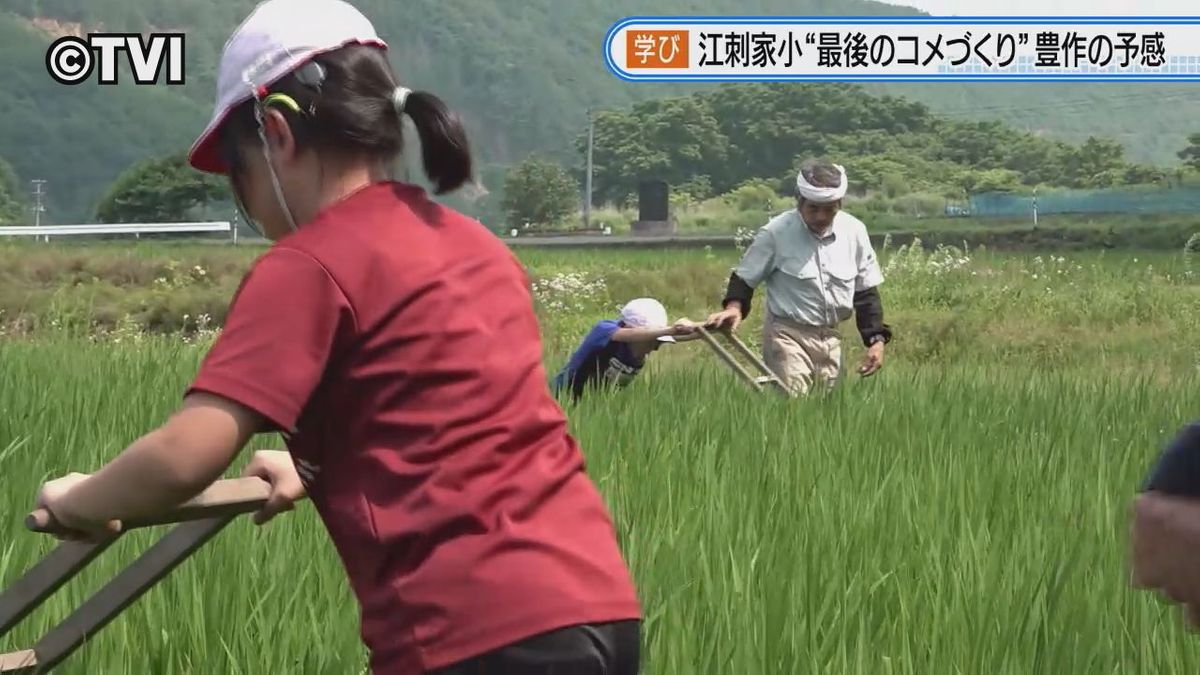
<point x="587" y="190"/>
<point x="38" y="208"/>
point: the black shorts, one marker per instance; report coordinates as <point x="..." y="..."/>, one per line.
<point x="590" y="649"/>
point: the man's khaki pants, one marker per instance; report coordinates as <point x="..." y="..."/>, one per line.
<point x="801" y="355"/>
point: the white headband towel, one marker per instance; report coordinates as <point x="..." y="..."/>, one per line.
<point x="822" y="195"/>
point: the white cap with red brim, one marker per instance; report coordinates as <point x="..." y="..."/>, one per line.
<point x="278" y="37"/>
<point x="646" y="313"/>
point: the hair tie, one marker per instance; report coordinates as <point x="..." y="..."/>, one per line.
<point x="399" y="96"/>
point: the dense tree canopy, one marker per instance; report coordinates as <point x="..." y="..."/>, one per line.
<point x="744" y="132"/>
<point x="160" y="190"/>
<point x="539" y="192"/>
<point x="1191" y="154"/>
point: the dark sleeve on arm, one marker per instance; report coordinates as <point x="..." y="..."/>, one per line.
<point x="1177" y="471"/>
<point x="868" y="314"/>
<point x="738" y="290"/>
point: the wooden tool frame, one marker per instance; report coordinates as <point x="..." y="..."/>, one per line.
<point x="767" y="377"/>
<point x="200" y="519"/>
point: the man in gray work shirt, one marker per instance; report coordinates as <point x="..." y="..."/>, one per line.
<point x="818" y="267"/>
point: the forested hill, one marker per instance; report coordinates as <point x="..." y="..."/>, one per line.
<point x="523" y="73"/>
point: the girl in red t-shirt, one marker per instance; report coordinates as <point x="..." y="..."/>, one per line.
<point x="393" y="343"/>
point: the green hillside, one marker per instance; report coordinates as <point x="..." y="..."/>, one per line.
<point x="78" y="138"/>
<point x="522" y="73"/>
<point x="1151" y="121"/>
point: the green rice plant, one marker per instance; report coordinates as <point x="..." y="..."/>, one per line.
<point x="963" y="511"/>
<point x="962" y="518"/>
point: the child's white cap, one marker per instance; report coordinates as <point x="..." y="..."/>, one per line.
<point x="646" y="313"/>
<point x="277" y="37"/>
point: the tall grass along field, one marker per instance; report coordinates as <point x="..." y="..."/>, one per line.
<point x="964" y="511"/>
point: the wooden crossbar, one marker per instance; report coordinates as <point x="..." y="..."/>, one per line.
<point x="232" y="496"/>
<point x="201" y="518"/>
<point x="767" y="376"/>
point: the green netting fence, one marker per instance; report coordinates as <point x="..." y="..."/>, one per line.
<point x="1113" y="200"/>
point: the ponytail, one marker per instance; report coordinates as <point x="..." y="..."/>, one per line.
<point x="444" y="147"/>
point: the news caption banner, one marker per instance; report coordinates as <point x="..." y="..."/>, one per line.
<point x="904" y="49"/>
<point x="72" y="59"/>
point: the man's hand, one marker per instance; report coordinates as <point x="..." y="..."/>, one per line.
<point x="1165" y="537"/>
<point x="276" y="467"/>
<point x="71" y="526"/>
<point x="730" y="317"/>
<point x="872" y="361"/>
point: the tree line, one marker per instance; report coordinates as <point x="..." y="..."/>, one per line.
<point x="735" y="140"/>
<point x="712" y="142"/>
<point x="716" y="143"/>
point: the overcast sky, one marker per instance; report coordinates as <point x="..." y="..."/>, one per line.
<point x="1053" y="7"/>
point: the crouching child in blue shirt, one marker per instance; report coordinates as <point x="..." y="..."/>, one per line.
<point x="614" y="351"/>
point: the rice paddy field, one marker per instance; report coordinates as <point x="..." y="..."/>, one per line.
<point x="963" y="511"/>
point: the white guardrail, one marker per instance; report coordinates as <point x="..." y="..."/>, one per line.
<point x="133" y="228"/>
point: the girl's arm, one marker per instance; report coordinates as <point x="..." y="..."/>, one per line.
<point x="163" y="468"/>
<point x="263" y="330"/>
